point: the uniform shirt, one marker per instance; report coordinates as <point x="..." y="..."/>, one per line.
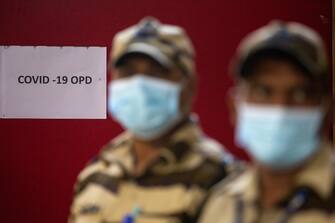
<point x="311" y="201"/>
<point x="170" y="191"/>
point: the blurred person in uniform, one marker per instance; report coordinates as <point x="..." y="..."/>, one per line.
<point x="281" y="109"/>
<point x="160" y="169"/>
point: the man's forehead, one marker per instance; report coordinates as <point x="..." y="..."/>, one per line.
<point x="277" y="70"/>
<point x="138" y="59"/>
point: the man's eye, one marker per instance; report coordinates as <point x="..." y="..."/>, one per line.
<point x="159" y="74"/>
<point x="261" y="92"/>
<point x="305" y="95"/>
<point x="299" y="96"/>
<point x="158" y="71"/>
<point x="126" y="73"/>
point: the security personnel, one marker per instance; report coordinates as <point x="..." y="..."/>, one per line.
<point x="160" y="169"/>
<point x="280" y="108"/>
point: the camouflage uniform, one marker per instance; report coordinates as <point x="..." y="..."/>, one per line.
<point x="171" y="190"/>
<point x="238" y="199"/>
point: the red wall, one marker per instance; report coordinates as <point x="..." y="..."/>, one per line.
<point x="39" y="159"/>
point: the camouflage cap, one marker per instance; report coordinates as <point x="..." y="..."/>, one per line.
<point x="169" y="45"/>
<point x="297" y="41"/>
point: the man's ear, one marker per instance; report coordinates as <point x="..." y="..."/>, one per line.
<point x="188" y="93"/>
<point x="327" y="128"/>
<point x="231" y="103"/>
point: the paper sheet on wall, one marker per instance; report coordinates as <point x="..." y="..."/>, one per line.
<point x="52" y="82"/>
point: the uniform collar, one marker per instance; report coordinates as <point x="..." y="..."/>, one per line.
<point x="179" y="142"/>
<point x="318" y="174"/>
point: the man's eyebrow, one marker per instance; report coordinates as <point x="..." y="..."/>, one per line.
<point x="254" y="82"/>
<point x="305" y="85"/>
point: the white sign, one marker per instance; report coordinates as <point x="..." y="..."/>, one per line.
<point x="52" y="82"/>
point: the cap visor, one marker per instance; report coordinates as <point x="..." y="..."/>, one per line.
<point x="148" y="50"/>
<point x="266" y="50"/>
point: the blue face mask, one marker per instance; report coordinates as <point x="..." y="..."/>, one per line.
<point x="278" y="137"/>
<point x="148" y="107"/>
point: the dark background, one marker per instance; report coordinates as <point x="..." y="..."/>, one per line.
<point x="39" y="159"/>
